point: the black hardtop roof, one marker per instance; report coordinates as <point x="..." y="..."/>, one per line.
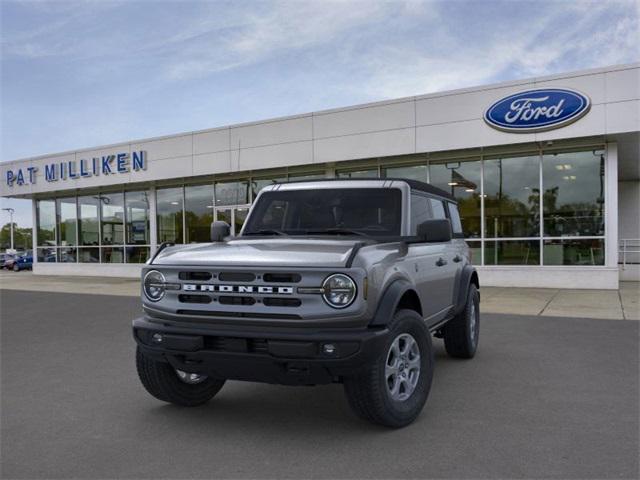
<point x="426" y="187"/>
<point x="414" y="184"/>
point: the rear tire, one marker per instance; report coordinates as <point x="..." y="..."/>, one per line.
<point x="163" y="382"/>
<point x="461" y="334"/>
<point x="16" y="268"/>
<point x="374" y="394"/>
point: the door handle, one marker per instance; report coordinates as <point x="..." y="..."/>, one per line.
<point x="441" y="262"/>
<point x="457" y="259"/>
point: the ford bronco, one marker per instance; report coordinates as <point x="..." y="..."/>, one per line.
<point x="328" y="281"/>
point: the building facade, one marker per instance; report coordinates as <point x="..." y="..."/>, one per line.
<point x="546" y="171"/>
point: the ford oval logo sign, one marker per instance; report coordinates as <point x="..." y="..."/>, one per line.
<point x="537" y="110"/>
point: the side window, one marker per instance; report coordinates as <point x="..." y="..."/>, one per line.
<point x="420" y="211"/>
<point x="437" y="208"/>
<point x="456" y="223"/>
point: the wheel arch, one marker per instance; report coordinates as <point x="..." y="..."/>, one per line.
<point x="399" y="294"/>
<point x="468" y="276"/>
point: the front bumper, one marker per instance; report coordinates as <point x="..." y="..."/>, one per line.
<point x="299" y="356"/>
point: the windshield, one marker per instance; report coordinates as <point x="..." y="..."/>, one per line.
<point x="336" y="211"/>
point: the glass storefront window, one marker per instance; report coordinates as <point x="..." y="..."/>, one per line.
<point x="462" y="180"/>
<point x="512" y="197"/>
<point x="512" y="252"/>
<point x="67" y="255"/>
<point x="224" y="215"/>
<point x="365" y="173"/>
<point x="240" y="215"/>
<point x="46" y="218"/>
<point x="258" y="184"/>
<point x="89" y="255"/>
<point x="573" y="198"/>
<point x="232" y="193"/>
<point x="137" y="218"/>
<point x="67" y="221"/>
<point x="112" y="218"/>
<point x="112" y="255"/>
<point x="475" y="250"/>
<point x="88" y="227"/>
<point x="169" y="207"/>
<point x="198" y="212"/>
<point x="574" y="252"/>
<point x="137" y="254"/>
<point x="300" y="177"/>
<point x="415" y="172"/>
<point x="47" y="254"/>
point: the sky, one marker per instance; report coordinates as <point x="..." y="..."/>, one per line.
<point x="87" y="73"/>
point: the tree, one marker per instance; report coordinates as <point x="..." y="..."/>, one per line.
<point x="21" y="237"/>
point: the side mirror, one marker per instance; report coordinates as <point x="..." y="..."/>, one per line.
<point x="219" y="231"/>
<point x="435" y="230"/>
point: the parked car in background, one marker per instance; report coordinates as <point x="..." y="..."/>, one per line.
<point x="7" y="260"/>
<point x="23" y="262"/>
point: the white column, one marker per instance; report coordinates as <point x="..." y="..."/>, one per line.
<point x="611" y="205"/>
<point x="330" y="170"/>
<point x="34" y="230"/>
<point x="153" y="218"/>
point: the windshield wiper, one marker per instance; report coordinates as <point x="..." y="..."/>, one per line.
<point x="337" y="231"/>
<point x="265" y="232"/>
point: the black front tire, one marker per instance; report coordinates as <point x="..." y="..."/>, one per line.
<point x="461" y="334"/>
<point x="368" y="392"/>
<point x="161" y="380"/>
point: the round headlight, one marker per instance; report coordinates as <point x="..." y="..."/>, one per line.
<point x="339" y="290"/>
<point x="153" y="285"/>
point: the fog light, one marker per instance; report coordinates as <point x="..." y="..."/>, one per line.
<point x="157" y="338"/>
<point x="329" y="348"/>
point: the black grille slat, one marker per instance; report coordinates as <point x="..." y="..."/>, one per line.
<point x="258" y="345"/>
<point x="282" y="302"/>
<point x="236" y="277"/>
<point x="184" y="298"/>
<point x="234" y="344"/>
<point x="195" y="276"/>
<point x="282" y="277"/>
<point x="229" y="300"/>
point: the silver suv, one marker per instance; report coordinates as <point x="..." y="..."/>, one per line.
<point x="330" y="281"/>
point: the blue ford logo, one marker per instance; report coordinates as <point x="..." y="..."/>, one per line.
<point x="537" y="110"/>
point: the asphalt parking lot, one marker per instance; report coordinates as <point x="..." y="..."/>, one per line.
<point x="544" y="398"/>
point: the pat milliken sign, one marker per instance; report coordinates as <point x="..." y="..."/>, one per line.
<point x="105" y="165"/>
<point x="537" y="110"/>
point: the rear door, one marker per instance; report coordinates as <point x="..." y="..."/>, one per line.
<point x="447" y="261"/>
<point x="431" y="268"/>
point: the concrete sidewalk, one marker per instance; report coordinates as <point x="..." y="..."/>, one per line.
<point x="623" y="304"/>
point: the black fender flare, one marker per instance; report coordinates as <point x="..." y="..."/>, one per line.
<point x="467" y="276"/>
<point x="389" y="301"/>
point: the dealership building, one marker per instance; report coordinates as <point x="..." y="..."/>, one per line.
<point x="546" y="171"/>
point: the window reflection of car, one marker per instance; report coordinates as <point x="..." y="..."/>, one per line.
<point x="23" y="262"/>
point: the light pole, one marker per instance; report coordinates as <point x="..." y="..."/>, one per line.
<point x="11" y="212"/>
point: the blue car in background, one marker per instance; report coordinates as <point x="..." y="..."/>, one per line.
<point x="23" y="262"/>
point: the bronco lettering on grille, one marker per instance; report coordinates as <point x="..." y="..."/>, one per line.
<point x="263" y="289"/>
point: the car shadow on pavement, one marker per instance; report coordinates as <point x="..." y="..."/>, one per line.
<point x="254" y="407"/>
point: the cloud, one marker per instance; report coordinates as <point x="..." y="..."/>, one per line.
<point x="526" y="47"/>
<point x="287" y="26"/>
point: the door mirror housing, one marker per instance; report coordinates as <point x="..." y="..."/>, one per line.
<point x="434" y="231"/>
<point x="219" y="231"/>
